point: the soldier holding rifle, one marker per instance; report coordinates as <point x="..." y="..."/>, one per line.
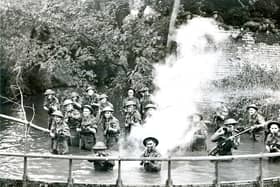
<point x="225" y="139"/>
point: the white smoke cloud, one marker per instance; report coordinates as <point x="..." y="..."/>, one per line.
<point x="179" y="80"/>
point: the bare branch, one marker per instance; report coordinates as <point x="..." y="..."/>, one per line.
<point x="11" y="101"/>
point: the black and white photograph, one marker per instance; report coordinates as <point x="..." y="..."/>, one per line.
<point x="133" y="93"/>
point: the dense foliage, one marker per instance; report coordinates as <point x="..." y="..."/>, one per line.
<point x="76" y="43"/>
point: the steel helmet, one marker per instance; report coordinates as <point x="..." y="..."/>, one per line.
<point x="150" y="105"/>
<point x="108" y="108"/>
<point x="49" y="92"/>
<point x="102" y="96"/>
<point x="74" y="94"/>
<point x="230" y="121"/>
<point x="57" y="113"/>
<point x="67" y="102"/>
<point x="99" y="146"/>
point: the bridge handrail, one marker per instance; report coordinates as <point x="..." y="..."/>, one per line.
<point x="185" y="158"/>
<point x="216" y="160"/>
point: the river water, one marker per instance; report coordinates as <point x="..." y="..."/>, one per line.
<point x="11" y="138"/>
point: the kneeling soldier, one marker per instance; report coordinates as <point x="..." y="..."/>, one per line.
<point x="100" y="150"/>
<point x="150" y="165"/>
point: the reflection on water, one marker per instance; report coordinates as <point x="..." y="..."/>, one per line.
<point x="11" y="137"/>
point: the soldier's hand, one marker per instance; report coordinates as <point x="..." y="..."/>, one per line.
<point x="220" y="131"/>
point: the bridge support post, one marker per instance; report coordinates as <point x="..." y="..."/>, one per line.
<point x="217" y="175"/>
<point x="119" y="182"/>
<point x="25" y="176"/>
<point x="260" y="177"/>
<point x="70" y="177"/>
<point x="169" y="182"/>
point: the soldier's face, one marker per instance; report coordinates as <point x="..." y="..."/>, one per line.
<point x="150" y="145"/>
<point x="103" y="100"/>
<point x="69" y="107"/>
<point x="57" y="119"/>
<point x="274" y="128"/>
<point x="230" y="128"/>
<point x="252" y="111"/>
<point x="90" y="92"/>
<point x="86" y="112"/>
<point x="107" y="114"/>
<point x="49" y="96"/>
<point x="196" y="118"/>
<point x="130" y="93"/>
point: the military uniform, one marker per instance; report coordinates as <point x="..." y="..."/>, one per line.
<point x="199" y="137"/>
<point x="273" y="142"/>
<point x="50" y="105"/>
<point x="73" y="120"/>
<point x="87" y="133"/>
<point x="102" y="165"/>
<point x="224" y="144"/>
<point x="111" y="129"/>
<point x="92" y="100"/>
<point x="60" y="134"/>
<point x="151" y="166"/>
<point x="134" y="99"/>
<point x="132" y="117"/>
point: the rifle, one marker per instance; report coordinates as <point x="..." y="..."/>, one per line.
<point x="218" y="147"/>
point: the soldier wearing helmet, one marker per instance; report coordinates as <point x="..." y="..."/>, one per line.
<point x="111" y="127"/>
<point x="51" y="104"/>
<point x="145" y="98"/>
<point x="200" y="133"/>
<point x="220" y="116"/>
<point x="273" y="139"/>
<point x="59" y="134"/>
<point x="100" y="150"/>
<point x="87" y="128"/>
<point x="150" y="144"/>
<point x="103" y="102"/>
<point x="256" y="120"/>
<point x="132" y="117"/>
<point x="131" y="97"/>
<point x="72" y="117"/>
<point x="149" y="110"/>
<point x="223" y="137"/>
<point x="91" y="98"/>
<point x="77" y="100"/>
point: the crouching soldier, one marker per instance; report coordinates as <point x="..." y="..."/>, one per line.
<point x="224" y="139"/>
<point x="110" y="126"/>
<point x="273" y="138"/>
<point x="132" y="117"/>
<point x="51" y="104"/>
<point x="100" y="150"/>
<point x="59" y="134"/>
<point x="150" y="151"/>
<point x="87" y="129"/>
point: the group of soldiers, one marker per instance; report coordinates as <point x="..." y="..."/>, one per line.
<point x="87" y="121"/>
<point x="228" y="131"/>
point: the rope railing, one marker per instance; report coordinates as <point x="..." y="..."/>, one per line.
<point x="169" y="160"/>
